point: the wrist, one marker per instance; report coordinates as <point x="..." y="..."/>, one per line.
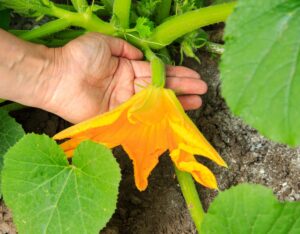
<point x="35" y="70"/>
<point x="46" y="79"/>
<point x="22" y="69"/>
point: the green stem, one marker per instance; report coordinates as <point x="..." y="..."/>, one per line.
<point x="158" y="70"/>
<point x="69" y="34"/>
<point x="46" y="29"/>
<point x="86" y="20"/>
<point x="163" y="10"/>
<point x="80" y="5"/>
<point x="214" y="47"/>
<point x="177" y="26"/>
<point x="121" y="10"/>
<point x="191" y="197"/>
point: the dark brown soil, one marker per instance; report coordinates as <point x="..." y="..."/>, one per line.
<point x="161" y="208"/>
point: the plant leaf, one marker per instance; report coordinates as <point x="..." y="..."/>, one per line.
<point x="250" y="208"/>
<point x="31" y="8"/>
<point x="146" y="8"/>
<point x="80" y="5"/>
<point x="4" y="18"/>
<point x="48" y="195"/>
<point x="10" y="133"/>
<point x="144" y="27"/>
<point x="260" y="69"/>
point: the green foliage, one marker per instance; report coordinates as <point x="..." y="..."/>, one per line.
<point x="144" y="27"/>
<point x="147" y="8"/>
<point x="32" y="8"/>
<point x="191" y="42"/>
<point x="221" y="1"/>
<point x="250" y="208"/>
<point x="182" y="6"/>
<point x="10" y="133"/>
<point x="4" y="18"/>
<point x="260" y="68"/>
<point x="48" y="195"/>
<point x="108" y="5"/>
<point x="80" y="5"/>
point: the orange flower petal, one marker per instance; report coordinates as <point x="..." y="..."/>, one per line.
<point x="186" y="162"/>
<point x="209" y="153"/>
<point x="192" y="141"/>
<point x="105" y="119"/>
<point x="144" y="151"/>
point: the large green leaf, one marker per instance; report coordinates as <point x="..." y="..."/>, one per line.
<point x="260" y="69"/>
<point x="10" y="133"/>
<point x="48" y="195"/>
<point x="247" y="209"/>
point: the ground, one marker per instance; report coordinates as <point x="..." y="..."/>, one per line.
<point x="161" y="208"/>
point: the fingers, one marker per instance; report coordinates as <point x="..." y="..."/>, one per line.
<point x="186" y="85"/>
<point x="143" y="69"/>
<point x="180" y="71"/>
<point x="190" y="102"/>
<point x="121" y="48"/>
<point x="181" y="85"/>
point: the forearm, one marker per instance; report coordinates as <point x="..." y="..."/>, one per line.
<point x="24" y="70"/>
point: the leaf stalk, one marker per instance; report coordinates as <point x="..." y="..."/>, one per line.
<point x="121" y="10"/>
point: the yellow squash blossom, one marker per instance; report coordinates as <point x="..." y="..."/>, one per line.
<point x="147" y="125"/>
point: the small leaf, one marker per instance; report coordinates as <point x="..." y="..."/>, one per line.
<point x="144" y="27"/>
<point x="32" y="8"/>
<point x="80" y="5"/>
<point x="191" y="42"/>
<point x="183" y="6"/>
<point x="146" y="8"/>
<point x="10" y="133"/>
<point x="96" y="8"/>
<point x="250" y="208"/>
<point x="48" y="195"/>
<point x="260" y="69"/>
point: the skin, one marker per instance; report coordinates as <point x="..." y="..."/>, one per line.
<point x="90" y="75"/>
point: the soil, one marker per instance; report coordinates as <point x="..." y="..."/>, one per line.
<point x="161" y="208"/>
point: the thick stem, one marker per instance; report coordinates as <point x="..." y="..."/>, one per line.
<point x="46" y="29"/>
<point x="191" y="197"/>
<point x="121" y="10"/>
<point x="86" y="20"/>
<point x="214" y="47"/>
<point x="177" y="26"/>
<point x="158" y="70"/>
<point x="163" y="10"/>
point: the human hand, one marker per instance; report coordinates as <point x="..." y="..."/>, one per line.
<point x="95" y="73"/>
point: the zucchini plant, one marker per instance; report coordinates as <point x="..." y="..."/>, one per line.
<point x="260" y="75"/>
